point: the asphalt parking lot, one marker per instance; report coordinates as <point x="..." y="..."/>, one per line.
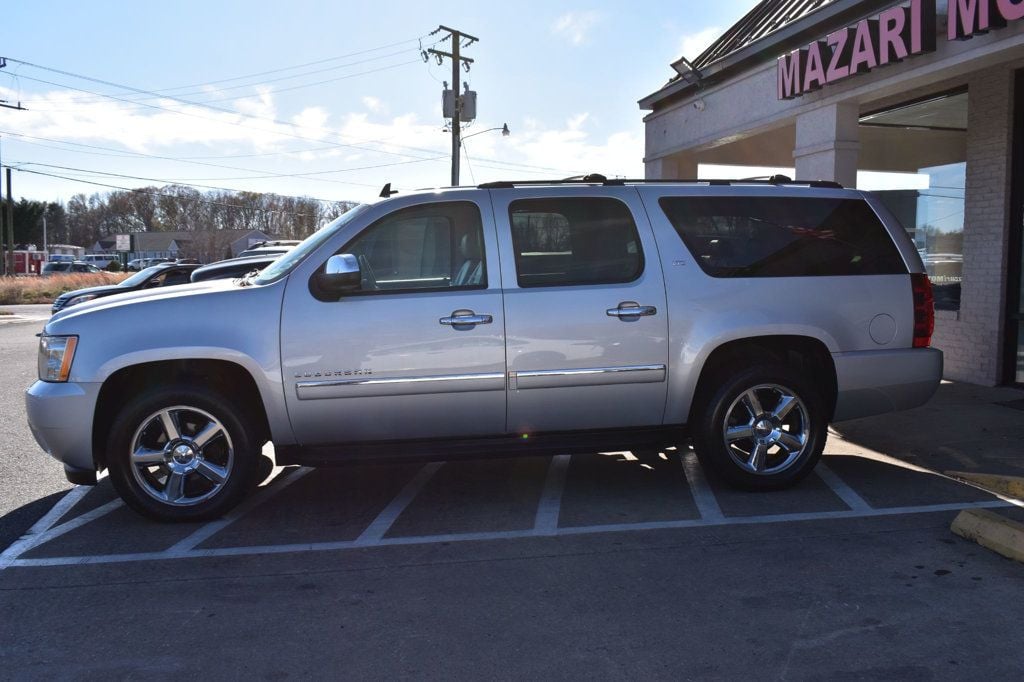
<point x="600" y="565"/>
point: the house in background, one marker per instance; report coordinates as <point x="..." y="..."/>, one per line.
<point x="204" y="245"/>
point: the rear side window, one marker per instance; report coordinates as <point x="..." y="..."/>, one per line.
<point x="574" y="241"/>
<point x="783" y="236"/>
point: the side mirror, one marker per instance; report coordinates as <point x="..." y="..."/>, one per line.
<point x="341" y="274"/>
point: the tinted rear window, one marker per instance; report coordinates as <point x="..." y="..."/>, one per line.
<point x="783" y="236"/>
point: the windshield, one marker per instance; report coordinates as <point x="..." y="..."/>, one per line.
<point x="139" y="277"/>
<point x="286" y="263"/>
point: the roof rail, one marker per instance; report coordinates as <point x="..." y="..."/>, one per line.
<point x="597" y="179"/>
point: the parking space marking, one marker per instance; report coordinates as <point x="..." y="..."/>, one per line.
<point x="703" y="497"/>
<point x="268" y="490"/>
<point x="80" y="521"/>
<point x="387" y="517"/>
<point x="848" y="495"/>
<point x="550" y="505"/>
<point x="501" y="535"/>
<point x="34" y="535"/>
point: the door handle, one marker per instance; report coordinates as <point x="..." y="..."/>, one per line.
<point x="631" y="310"/>
<point x="465" y="317"/>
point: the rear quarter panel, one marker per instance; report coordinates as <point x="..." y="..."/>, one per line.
<point x="706" y="312"/>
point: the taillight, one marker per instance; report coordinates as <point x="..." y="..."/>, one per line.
<point x="924" y="310"/>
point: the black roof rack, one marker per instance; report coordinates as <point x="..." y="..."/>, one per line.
<point x="597" y="179"/>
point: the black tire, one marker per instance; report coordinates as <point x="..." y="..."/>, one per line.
<point x="235" y="454"/>
<point x="723" y="397"/>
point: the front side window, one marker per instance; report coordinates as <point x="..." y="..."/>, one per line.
<point x="574" y="241"/>
<point x="733" y="236"/>
<point x="432" y="246"/>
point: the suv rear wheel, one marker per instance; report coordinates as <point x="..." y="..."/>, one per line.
<point x="182" y="454"/>
<point x="761" y="428"/>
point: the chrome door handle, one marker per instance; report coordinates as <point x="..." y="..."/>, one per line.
<point x="465" y="317"/>
<point x="631" y="310"/>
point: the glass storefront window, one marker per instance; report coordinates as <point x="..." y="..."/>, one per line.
<point x="917" y="154"/>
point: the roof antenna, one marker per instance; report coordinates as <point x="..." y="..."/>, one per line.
<point x="387" y="191"/>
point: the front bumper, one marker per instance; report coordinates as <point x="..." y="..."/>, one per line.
<point x="880" y="381"/>
<point x="60" y="417"/>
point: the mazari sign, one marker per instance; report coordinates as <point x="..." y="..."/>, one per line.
<point x="892" y="36"/>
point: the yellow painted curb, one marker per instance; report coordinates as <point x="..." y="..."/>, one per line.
<point x="1010" y="486"/>
<point x="998" y="533"/>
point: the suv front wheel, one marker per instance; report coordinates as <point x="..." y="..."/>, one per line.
<point x="182" y="454"/>
<point x="761" y="428"/>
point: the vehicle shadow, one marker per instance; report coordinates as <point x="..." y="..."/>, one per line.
<point x="964" y="427"/>
<point x="16" y="522"/>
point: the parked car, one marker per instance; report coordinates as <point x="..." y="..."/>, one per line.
<point x="574" y="316"/>
<point x="233" y="267"/>
<point x="164" y="275"/>
<point x="67" y="268"/>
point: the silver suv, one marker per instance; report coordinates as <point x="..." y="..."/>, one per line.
<point x="512" y="317"/>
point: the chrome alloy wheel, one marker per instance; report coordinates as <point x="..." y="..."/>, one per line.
<point x="767" y="429"/>
<point x="181" y="455"/>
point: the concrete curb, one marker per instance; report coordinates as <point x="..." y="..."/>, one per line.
<point x="998" y="533"/>
<point x="1010" y="486"/>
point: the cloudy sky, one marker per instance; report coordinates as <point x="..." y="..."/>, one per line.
<point x="329" y="99"/>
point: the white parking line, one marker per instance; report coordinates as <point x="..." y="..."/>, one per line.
<point x="550" y="506"/>
<point x="844" y="492"/>
<point x="268" y="490"/>
<point x="387" y="517"/>
<point x="707" y="504"/>
<point x="501" y="535"/>
<point x="33" y="536"/>
<point x="80" y="521"/>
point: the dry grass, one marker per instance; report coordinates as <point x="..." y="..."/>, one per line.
<point x="15" y="290"/>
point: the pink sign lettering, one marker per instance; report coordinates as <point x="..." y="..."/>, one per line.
<point x="894" y="35"/>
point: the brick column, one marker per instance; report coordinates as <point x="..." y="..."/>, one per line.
<point x="973" y="340"/>
<point x="827" y="143"/>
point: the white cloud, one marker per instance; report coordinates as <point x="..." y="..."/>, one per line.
<point x="535" y="149"/>
<point x="374" y="104"/>
<point x="575" y="26"/>
<point x="692" y="44"/>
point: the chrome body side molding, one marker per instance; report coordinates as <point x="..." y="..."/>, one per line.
<point x="588" y="376"/>
<point x="378" y="386"/>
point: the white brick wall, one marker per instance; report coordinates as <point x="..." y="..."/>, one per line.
<point x="973" y="343"/>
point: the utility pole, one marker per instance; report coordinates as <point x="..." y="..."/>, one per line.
<point x="457" y="61"/>
<point x="8" y="253"/>
<point x="10" y="225"/>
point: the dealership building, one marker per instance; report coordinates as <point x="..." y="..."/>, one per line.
<point x="921" y="101"/>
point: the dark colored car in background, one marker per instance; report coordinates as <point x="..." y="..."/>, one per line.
<point x="163" y="275"/>
<point x="233" y="267"/>
<point x="67" y="268"/>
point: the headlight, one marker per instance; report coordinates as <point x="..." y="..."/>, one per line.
<point x="79" y="299"/>
<point x="56" y="354"/>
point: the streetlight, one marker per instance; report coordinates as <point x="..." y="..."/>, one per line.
<point x="505" y="132"/>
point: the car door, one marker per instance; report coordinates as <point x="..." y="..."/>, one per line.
<point x="585" y="316"/>
<point x="419" y="350"/>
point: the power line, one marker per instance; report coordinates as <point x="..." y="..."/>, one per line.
<point x="310" y="175"/>
<point x="194" y="160"/>
<point x="164" y="91"/>
<point x="180" y="198"/>
<point x="229" y="112"/>
<point x="250" y="116"/>
<point x="146" y="179"/>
